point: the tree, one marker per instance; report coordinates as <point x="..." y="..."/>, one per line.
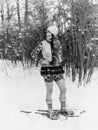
<point x="26" y="14"/>
<point x="18" y="13"/>
<point x="76" y="20"/>
<point x="77" y="37"/>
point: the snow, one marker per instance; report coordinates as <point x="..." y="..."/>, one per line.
<point x="24" y="89"/>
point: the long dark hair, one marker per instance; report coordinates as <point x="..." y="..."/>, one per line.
<point x="52" y="43"/>
<point x="52" y="49"/>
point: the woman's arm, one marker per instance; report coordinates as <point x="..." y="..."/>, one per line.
<point x="35" y="52"/>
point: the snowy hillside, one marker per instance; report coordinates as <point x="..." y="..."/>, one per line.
<point x="24" y="89"/>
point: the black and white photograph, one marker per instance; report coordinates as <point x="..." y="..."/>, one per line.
<point x="48" y="64"/>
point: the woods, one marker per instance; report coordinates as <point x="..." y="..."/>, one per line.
<point x="23" y="25"/>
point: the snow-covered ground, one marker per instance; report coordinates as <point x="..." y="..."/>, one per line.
<point x="24" y="89"/>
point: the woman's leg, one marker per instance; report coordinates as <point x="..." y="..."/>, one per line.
<point x="62" y="97"/>
<point x="49" y="90"/>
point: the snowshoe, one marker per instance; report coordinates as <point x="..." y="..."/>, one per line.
<point x="54" y="115"/>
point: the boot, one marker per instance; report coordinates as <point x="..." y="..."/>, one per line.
<point x="63" y="109"/>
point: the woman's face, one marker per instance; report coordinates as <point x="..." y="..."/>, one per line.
<point x="48" y="36"/>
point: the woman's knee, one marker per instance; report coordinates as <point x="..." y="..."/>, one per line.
<point x="49" y="88"/>
<point x="49" y="96"/>
<point x="49" y="93"/>
<point x="63" y="89"/>
<point x="62" y="86"/>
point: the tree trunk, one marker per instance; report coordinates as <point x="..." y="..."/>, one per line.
<point x="26" y="14"/>
<point x="18" y="13"/>
<point x="2" y="16"/>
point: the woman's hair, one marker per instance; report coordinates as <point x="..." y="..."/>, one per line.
<point x="52" y="44"/>
<point x="52" y="47"/>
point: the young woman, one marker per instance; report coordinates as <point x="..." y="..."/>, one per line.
<point x="51" y="68"/>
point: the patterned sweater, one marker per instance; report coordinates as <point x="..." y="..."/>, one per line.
<point x="51" y="57"/>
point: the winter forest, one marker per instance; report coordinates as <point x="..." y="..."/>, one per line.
<point x="23" y="25"/>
